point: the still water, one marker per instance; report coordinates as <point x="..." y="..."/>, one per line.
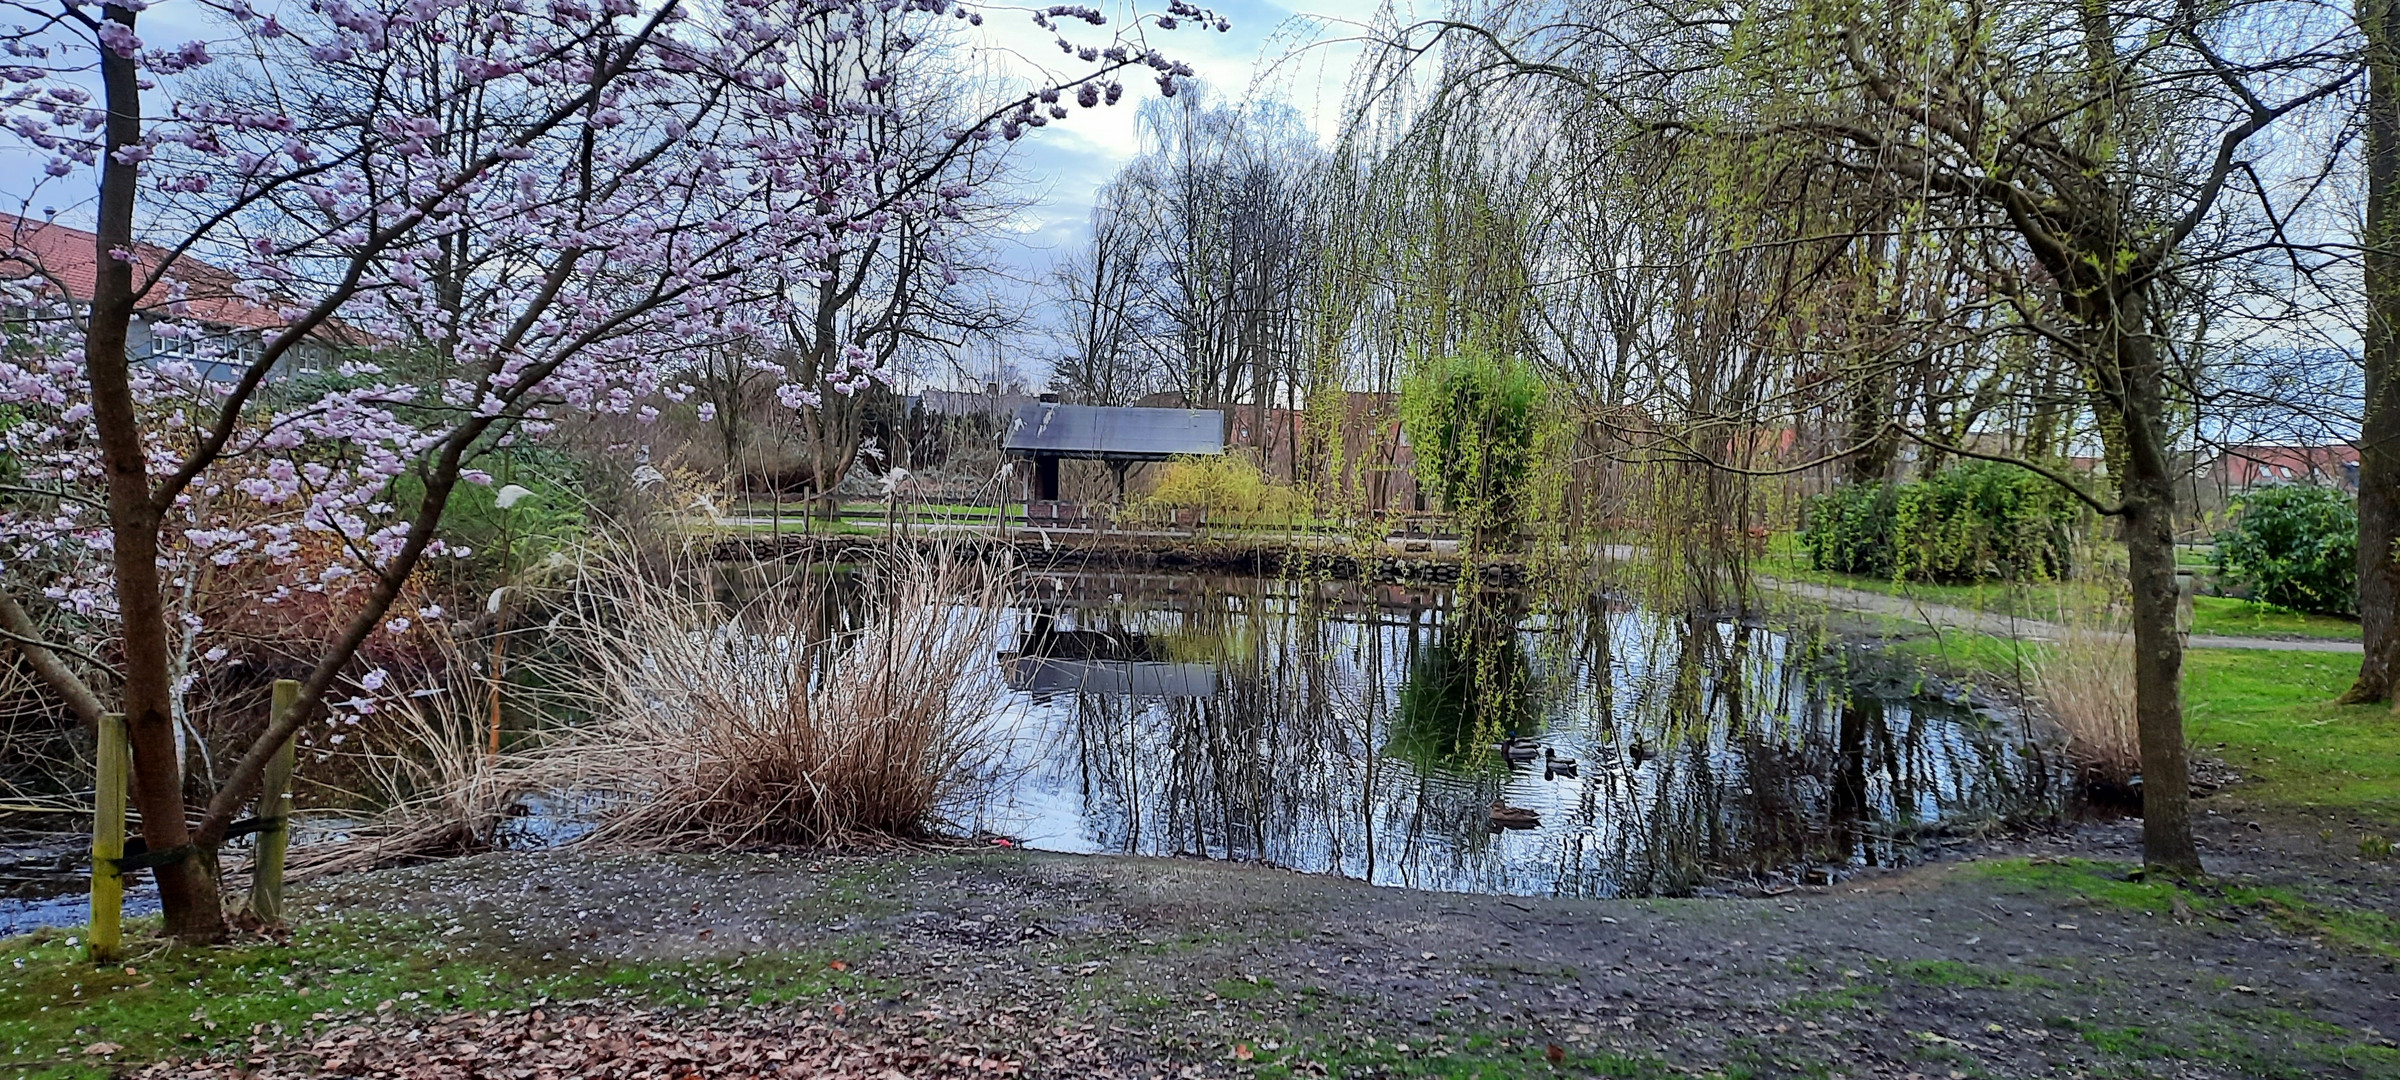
<point x="1335" y="728"/>
<point x="1357" y="730"/>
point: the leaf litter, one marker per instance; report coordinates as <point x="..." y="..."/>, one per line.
<point x="637" y="1044"/>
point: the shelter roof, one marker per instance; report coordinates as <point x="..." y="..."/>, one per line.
<point x="1114" y="433"/>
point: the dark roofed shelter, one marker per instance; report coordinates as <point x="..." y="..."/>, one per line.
<point x="1049" y="433"/>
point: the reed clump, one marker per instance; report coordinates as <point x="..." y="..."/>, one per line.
<point x="433" y="787"/>
<point x="820" y="711"/>
<point x="2086" y="682"/>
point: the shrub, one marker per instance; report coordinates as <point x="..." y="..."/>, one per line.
<point x="1222" y="485"/>
<point x="721" y="728"/>
<point x="2294" y="547"/>
<point x="1979" y="521"/>
<point x="1474" y="423"/>
<point x="1982" y="521"/>
<point x="1849" y="530"/>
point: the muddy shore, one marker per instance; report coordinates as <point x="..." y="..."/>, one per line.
<point x="2033" y="956"/>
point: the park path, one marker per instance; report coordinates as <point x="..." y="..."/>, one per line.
<point x="1951" y="617"/>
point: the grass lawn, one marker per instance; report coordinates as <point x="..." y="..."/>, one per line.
<point x="2218" y="616"/>
<point x="2270" y="714"/>
<point x="2225" y="616"/>
<point x="1965" y="654"/>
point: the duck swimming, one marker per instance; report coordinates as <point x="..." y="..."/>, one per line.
<point x="1554" y="766"/>
<point x="1519" y="750"/>
<point x="1505" y="816"/>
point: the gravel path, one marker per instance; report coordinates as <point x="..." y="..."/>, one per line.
<point x="1950" y="617"/>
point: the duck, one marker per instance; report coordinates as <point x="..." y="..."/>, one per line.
<point x="1519" y="750"/>
<point x="1555" y="766"/>
<point x="1641" y="752"/>
<point x="1505" y="816"/>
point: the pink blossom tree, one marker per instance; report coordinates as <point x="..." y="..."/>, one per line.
<point x="505" y="212"/>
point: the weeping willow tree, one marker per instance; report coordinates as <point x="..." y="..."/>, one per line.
<point x="1816" y="238"/>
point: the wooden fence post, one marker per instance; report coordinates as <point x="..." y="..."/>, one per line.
<point x="108" y="839"/>
<point x="274" y="804"/>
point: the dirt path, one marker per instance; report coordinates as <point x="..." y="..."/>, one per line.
<point x="2023" y="961"/>
<point x="1949" y="617"/>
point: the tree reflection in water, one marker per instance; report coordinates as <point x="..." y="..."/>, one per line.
<point x="1348" y="729"/>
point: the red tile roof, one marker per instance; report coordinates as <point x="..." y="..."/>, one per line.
<point x="69" y="259"/>
<point x="2247" y="465"/>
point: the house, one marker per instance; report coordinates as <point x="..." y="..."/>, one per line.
<point x="44" y="258"/>
<point x="2241" y="468"/>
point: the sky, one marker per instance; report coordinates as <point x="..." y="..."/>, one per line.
<point x="1300" y="52"/>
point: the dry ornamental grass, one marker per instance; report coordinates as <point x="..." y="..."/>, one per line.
<point x="2086" y="682"/>
<point x="723" y="728"/>
<point x="701" y="724"/>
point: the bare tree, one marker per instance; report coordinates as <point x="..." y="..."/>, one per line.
<point x="1106" y="359"/>
<point x="2379" y="430"/>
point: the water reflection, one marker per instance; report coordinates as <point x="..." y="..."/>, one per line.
<point x="1351" y="729"/>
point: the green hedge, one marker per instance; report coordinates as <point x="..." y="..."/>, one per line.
<point x="2294" y="547"/>
<point x="1979" y="521"/>
<point x="1849" y="530"/>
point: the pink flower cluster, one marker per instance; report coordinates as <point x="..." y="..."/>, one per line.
<point x="462" y="220"/>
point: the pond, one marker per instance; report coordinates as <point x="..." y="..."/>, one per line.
<point x="45" y="872"/>
<point x="1341" y="728"/>
<point x="1359" y="730"/>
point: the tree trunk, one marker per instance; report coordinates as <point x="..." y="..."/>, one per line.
<point x="2149" y="502"/>
<point x="187" y="893"/>
<point x="2379" y="432"/>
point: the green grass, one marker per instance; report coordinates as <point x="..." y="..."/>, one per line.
<point x="1966" y="654"/>
<point x="1478" y="1056"/>
<point x="2267" y="713"/>
<point x="2216" y="616"/>
<point x="2113" y="885"/>
<point x="2105" y="883"/>
<point x="1242" y="989"/>
<point x="2224" y="616"/>
<point x="1960" y="975"/>
<point x="1837" y="999"/>
<point x="166" y="1000"/>
<point x="2270" y="714"/>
